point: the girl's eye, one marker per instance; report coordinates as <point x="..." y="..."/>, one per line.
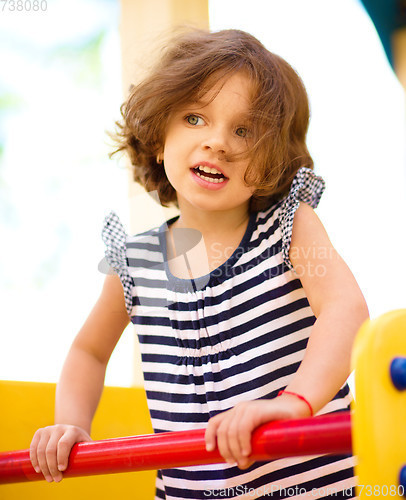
<point x="194" y="120"/>
<point x="241" y="132"/>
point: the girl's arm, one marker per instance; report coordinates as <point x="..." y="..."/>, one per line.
<point x="340" y="309"/>
<point x="81" y="382"/>
<point x="337" y="303"/>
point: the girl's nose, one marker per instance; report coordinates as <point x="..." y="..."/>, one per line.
<point x="216" y="140"/>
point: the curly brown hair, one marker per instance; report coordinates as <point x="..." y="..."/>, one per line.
<point x="194" y="60"/>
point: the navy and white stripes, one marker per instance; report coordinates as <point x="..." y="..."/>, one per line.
<point x="236" y="334"/>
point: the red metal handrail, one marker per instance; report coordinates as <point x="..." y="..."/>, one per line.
<point x="326" y="434"/>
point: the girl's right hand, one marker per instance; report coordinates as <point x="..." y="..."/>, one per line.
<point x="50" y="448"/>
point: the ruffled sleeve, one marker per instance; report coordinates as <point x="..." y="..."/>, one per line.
<point x="114" y="237"/>
<point x="306" y="187"/>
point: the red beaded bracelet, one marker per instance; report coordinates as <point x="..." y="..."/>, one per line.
<point x="300" y="397"/>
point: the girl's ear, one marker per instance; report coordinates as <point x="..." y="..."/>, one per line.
<point x="159" y="158"/>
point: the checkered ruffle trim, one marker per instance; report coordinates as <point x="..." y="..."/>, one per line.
<point x="306" y="187"/>
<point x="114" y="237"/>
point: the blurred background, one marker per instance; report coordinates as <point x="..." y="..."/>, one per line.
<point x="61" y="88"/>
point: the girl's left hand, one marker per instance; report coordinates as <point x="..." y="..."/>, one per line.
<point x="232" y="429"/>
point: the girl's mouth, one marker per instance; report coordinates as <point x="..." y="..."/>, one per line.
<point x="209" y="174"/>
<point x="208" y="177"/>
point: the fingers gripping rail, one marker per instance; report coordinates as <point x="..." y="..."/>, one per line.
<point x="327" y="434"/>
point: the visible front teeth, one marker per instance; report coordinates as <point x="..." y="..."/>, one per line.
<point x="210" y="179"/>
<point x="208" y="170"/>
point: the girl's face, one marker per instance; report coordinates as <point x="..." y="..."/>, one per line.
<point x="199" y="138"/>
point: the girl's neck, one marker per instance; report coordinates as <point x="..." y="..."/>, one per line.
<point x="212" y="224"/>
<point x="222" y="233"/>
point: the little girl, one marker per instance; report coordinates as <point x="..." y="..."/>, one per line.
<point x="245" y="312"/>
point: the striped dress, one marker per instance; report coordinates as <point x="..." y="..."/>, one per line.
<point x="237" y="334"/>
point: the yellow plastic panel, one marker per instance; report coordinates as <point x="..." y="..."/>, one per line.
<point x="26" y="406"/>
<point x="379" y="419"/>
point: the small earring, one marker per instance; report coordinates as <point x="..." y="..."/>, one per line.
<point x="159" y="158"/>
